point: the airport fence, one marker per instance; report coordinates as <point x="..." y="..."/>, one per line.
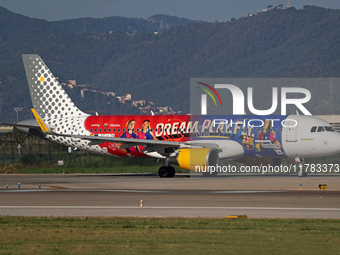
<point x="29" y="150"/>
<point x="25" y="150"/>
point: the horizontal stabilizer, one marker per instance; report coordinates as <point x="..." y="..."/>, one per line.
<point x="40" y="122"/>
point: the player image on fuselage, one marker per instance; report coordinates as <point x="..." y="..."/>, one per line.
<point x="129" y="133"/>
<point x="145" y="132"/>
<point x="268" y="134"/>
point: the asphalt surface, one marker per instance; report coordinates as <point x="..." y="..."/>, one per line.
<point x="257" y="196"/>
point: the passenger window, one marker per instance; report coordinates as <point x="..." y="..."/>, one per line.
<point x="104" y="130"/>
<point x="91" y="130"/>
<point x="313" y="129"/>
<point x="100" y="130"/>
<point x="95" y="130"/>
<point x="118" y="129"/>
<point x="109" y="130"/>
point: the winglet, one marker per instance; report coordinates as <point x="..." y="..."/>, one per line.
<point x="40" y="122"/>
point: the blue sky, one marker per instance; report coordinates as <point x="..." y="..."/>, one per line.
<point x="206" y="10"/>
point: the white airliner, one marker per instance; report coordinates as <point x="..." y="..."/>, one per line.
<point x="191" y="141"/>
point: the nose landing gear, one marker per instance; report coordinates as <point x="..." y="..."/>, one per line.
<point x="301" y="171"/>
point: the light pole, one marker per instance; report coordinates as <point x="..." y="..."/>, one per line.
<point x="17" y="110"/>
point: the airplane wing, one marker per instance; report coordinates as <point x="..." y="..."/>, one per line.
<point x="22" y="125"/>
<point x="162" y="147"/>
<point x="28" y="126"/>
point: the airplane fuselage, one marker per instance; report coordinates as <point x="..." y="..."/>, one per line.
<point x="274" y="136"/>
<point x="187" y="140"/>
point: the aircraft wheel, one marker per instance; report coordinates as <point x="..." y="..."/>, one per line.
<point x="172" y="171"/>
<point x="164" y="172"/>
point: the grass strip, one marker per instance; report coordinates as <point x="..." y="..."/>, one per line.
<point x="61" y="235"/>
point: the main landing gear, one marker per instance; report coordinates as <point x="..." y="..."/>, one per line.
<point x="166" y="171"/>
<point x="301" y="171"/>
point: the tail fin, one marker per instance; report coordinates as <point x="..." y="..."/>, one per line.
<point x="49" y="99"/>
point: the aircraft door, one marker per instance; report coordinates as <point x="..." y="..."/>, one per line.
<point x="291" y="130"/>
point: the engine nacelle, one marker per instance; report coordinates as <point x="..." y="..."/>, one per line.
<point x="201" y="157"/>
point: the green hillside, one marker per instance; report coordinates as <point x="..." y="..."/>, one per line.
<point x="120" y="24"/>
<point x="158" y="67"/>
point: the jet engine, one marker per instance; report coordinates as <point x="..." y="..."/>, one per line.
<point x="199" y="157"/>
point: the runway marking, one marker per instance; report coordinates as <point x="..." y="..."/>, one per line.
<point x="150" y="191"/>
<point x="169" y="208"/>
<point x="24" y="190"/>
<point x="195" y="192"/>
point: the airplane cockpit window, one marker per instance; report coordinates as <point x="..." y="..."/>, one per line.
<point x="320" y="129"/>
<point x="330" y="129"/>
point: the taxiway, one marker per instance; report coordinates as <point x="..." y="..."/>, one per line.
<point x="270" y="196"/>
